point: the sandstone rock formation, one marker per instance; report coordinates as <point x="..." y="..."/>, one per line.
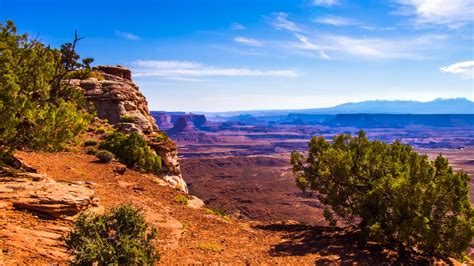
<point x="163" y="120"/>
<point x="168" y="151"/>
<point x="183" y="125"/>
<point x="40" y="194"/>
<point x="188" y="127"/>
<point x="115" y="97"/>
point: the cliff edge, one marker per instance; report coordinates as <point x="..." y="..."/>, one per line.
<point x="116" y="98"/>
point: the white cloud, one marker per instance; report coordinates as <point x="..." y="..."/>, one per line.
<point x="335" y="21"/>
<point x="237" y="26"/>
<point x="375" y="28"/>
<point x="179" y="70"/>
<point x="453" y="13"/>
<point x="465" y="69"/>
<point x="282" y="23"/>
<point x="127" y="35"/>
<point x="368" y="48"/>
<point x="248" y="41"/>
<point x="325" y="2"/>
<point x="307" y="45"/>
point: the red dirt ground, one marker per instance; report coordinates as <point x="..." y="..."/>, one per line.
<point x="189" y="236"/>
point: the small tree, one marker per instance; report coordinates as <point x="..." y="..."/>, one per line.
<point x="38" y="107"/>
<point x="133" y="151"/>
<point x="120" y="237"/>
<point x="389" y="191"/>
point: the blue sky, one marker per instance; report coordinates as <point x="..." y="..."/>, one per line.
<point x="203" y="55"/>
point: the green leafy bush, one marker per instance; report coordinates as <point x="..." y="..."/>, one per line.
<point x="104" y="156"/>
<point x="392" y="193"/>
<point x="127" y="119"/>
<point x="221" y="213"/>
<point x="39" y="109"/>
<point x="91" y="151"/>
<point x="90" y="142"/>
<point x="120" y="237"/>
<point x="133" y="151"/>
<point x="97" y="75"/>
<point x="182" y="199"/>
<point x="162" y="136"/>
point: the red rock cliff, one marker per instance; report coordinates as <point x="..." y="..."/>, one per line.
<point x="116" y="96"/>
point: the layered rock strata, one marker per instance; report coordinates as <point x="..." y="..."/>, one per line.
<point x="40" y="194"/>
<point x="117" y="98"/>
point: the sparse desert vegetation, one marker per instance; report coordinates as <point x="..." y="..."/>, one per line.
<point x="318" y="171"/>
<point x="119" y="237"/>
<point x="133" y="151"/>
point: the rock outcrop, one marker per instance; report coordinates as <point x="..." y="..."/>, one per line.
<point x="163" y="120"/>
<point x="183" y="125"/>
<point x="40" y="194"/>
<point x="168" y="151"/>
<point x="116" y="98"/>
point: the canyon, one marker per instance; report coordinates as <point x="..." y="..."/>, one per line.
<point x="240" y="163"/>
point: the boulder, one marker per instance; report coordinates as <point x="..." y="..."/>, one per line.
<point x="40" y="194"/>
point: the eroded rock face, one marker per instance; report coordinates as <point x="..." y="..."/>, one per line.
<point x="40" y="194"/>
<point x="163" y="120"/>
<point x="117" y="96"/>
<point x="168" y="151"/>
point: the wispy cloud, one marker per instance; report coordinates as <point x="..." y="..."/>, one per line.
<point x="237" y="26"/>
<point x="180" y="70"/>
<point x="452" y="13"/>
<point x="375" y="28"/>
<point x="335" y="21"/>
<point x="127" y="35"/>
<point x="281" y="22"/>
<point x="307" y="45"/>
<point x="464" y="69"/>
<point x="248" y="41"/>
<point x="326" y="3"/>
<point x="338" y="46"/>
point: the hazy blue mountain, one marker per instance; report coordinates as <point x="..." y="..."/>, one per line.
<point x="438" y="106"/>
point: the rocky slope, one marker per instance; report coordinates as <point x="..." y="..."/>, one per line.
<point x="115" y="96"/>
<point x="186" y="236"/>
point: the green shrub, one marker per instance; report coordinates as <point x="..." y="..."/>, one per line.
<point x="218" y="212"/>
<point x="38" y="110"/>
<point x="127" y="119"/>
<point x="162" y="136"/>
<point x="100" y="130"/>
<point x="104" y="156"/>
<point x="213" y="247"/>
<point x="90" y="142"/>
<point x="182" y="199"/>
<point x="133" y="151"/>
<point x="390" y="192"/>
<point x="91" y="151"/>
<point x="120" y="237"/>
<point x="97" y="75"/>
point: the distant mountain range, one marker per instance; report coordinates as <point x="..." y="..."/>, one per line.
<point x="438" y="106"/>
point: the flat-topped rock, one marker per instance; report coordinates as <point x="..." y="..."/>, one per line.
<point x="40" y="194"/>
<point x="117" y="71"/>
